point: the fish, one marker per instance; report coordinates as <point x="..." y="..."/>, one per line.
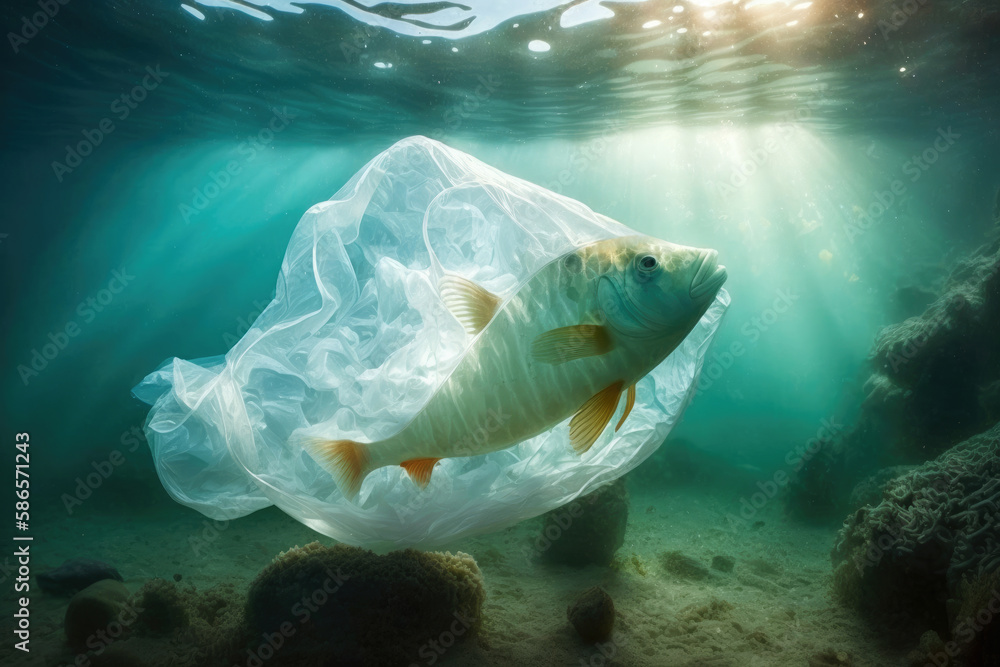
<point x="570" y="341"/>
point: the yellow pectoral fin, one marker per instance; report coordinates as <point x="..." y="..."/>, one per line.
<point x="629" y="402"/>
<point x="419" y="470"/>
<point x="568" y="343"/>
<point x="588" y="424"/>
<point x="471" y="305"/>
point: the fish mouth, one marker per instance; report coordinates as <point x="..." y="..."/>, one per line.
<point x="709" y="277"/>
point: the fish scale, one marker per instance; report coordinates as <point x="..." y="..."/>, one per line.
<point x="580" y="332"/>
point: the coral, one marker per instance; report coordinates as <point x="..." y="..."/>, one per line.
<point x="933" y="384"/>
<point x="201" y="627"/>
<point x="94" y="615"/>
<point x="74" y="575"/>
<point x="685" y="567"/>
<point x="869" y="490"/>
<point x="587" y="531"/>
<point x="936" y="526"/>
<point x="163" y="608"/>
<point x="975" y="626"/>
<point x="351" y="606"/>
<point x="593" y="615"/>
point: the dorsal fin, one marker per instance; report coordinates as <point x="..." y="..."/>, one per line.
<point x="568" y="343"/>
<point x="471" y="305"/>
<point x="419" y="470"/>
<point x="588" y="424"/>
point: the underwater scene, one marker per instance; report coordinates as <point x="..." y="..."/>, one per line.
<point x="510" y="332"/>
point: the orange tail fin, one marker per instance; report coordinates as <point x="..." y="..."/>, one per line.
<point x="348" y="461"/>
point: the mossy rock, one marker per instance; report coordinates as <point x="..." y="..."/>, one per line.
<point x="97" y="615"/>
<point x="593" y="615"/>
<point x="587" y="531"/>
<point x="347" y="605"/>
<point x="164" y="608"/>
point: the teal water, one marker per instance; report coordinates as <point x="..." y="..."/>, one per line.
<point x="839" y="156"/>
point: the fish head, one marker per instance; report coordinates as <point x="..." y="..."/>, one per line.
<point x="661" y="288"/>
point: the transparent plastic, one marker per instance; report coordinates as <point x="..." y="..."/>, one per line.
<point x="356" y="341"/>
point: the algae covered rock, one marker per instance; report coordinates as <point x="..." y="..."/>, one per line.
<point x="346" y="605"/>
<point x="588" y="531"/>
<point x="74" y="575"/>
<point x="933" y="384"/>
<point x="98" y="615"/>
<point x="937" y="526"/>
<point x="593" y="615"/>
<point x="869" y="490"/>
<point x="164" y="608"/>
<point x="202" y="627"/>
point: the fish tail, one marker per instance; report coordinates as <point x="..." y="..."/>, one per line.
<point x="348" y="461"/>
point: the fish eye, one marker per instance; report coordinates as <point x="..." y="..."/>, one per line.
<point x="647" y="263"/>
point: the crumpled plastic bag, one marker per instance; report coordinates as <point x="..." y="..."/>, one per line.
<point x="356" y="341"/>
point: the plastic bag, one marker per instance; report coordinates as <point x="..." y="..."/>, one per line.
<point x="356" y="341"/>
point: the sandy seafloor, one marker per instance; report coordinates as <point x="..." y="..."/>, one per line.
<point x="782" y="611"/>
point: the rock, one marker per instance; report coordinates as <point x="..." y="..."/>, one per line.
<point x="932" y="385"/>
<point x="74" y="575"/>
<point x="869" y="490"/>
<point x="366" y="608"/>
<point x="587" y="531"/>
<point x="203" y="627"/>
<point x="903" y="559"/>
<point x="163" y="608"/>
<point x="99" y="614"/>
<point x="977" y="598"/>
<point x="593" y="615"/>
<point x="723" y="563"/>
<point x="683" y="566"/>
